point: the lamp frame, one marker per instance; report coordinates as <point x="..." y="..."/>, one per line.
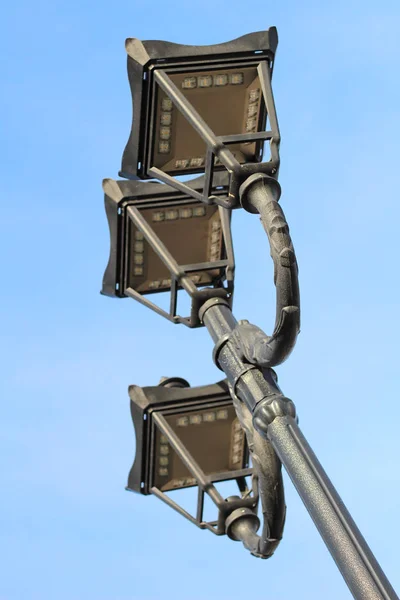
<point x="123" y="201"/>
<point x="151" y="62"/>
<point x="148" y="406"/>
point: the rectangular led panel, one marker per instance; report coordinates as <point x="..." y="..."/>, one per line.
<point x="190" y="230"/>
<point x="204" y="420"/>
<point x="222" y="84"/>
<point x="229" y="100"/>
<point x="212" y="435"/>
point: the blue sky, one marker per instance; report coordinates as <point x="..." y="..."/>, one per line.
<point x="68" y="529"/>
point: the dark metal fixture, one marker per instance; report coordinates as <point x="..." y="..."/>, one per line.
<point x="164" y="241"/>
<point x="202" y="109"/>
<point x="210" y="110"/>
<point x="193" y="436"/>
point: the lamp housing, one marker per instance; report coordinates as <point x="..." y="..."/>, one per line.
<point x="163" y="241"/>
<point x="204" y="420"/>
<point x="189" y="437"/>
<point x="202" y="109"/>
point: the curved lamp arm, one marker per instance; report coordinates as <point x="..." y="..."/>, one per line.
<point x="242" y="525"/>
<point x="260" y="194"/>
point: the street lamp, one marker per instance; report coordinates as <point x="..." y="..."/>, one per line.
<point x="202" y="109"/>
<point x="210" y="110"/>
<point x="193" y="436"/>
<point x="139" y="216"/>
<point x="163" y="241"/>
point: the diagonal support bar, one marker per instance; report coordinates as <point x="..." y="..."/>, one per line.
<point x="161" y="250"/>
<point x="203" y="480"/>
<point x="190" y="113"/>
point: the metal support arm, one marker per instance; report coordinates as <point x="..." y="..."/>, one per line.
<point x="268" y="469"/>
<point x="260" y="194"/>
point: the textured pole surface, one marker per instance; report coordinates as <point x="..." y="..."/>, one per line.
<point x="359" y="568"/>
<point x="274" y="418"/>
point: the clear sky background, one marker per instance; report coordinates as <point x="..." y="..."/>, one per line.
<point x="68" y="529"/>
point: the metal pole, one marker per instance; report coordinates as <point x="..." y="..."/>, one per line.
<point x="274" y="417"/>
<point x="353" y="557"/>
